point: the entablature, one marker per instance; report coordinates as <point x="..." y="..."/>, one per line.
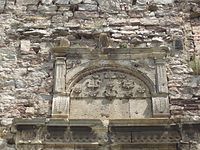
<point x="93" y="133"/>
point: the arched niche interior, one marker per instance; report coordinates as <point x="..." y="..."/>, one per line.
<point x="110" y="92"/>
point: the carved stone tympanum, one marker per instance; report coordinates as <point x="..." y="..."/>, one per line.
<point x="109" y="85"/>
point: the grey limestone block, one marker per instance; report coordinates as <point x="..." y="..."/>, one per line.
<point x="62" y="2"/>
<point x="2" y="5"/>
<point x="27" y="2"/>
<point x="47" y="2"/>
<point x="75" y="1"/>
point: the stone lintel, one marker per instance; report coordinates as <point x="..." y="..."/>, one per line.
<point x="142" y="122"/>
<point x="113" y="122"/>
<point x="75" y="132"/>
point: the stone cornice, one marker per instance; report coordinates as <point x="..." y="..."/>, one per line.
<point x="111" y="53"/>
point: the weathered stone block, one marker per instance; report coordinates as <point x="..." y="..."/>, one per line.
<point x="47" y="2"/>
<point x="25" y="45"/>
<point x="57" y="19"/>
<point x="86" y="14"/>
<point x="164" y="1"/>
<point x="27" y="2"/>
<point x="140" y="108"/>
<point x="160" y="106"/>
<point x="30" y="110"/>
<point x="68" y="14"/>
<point x="2" y="5"/>
<point x="87" y="7"/>
<point x="47" y="9"/>
<point x="60" y="105"/>
<point x="32" y="7"/>
<point x="149" y="21"/>
<point x="143" y="2"/>
<point x="62" y="2"/>
<point x="89" y="2"/>
<point x="75" y="1"/>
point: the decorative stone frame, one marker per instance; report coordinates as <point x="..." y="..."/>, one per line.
<point x="73" y="64"/>
<point x="61" y="132"/>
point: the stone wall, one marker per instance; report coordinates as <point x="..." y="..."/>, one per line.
<point x="29" y="28"/>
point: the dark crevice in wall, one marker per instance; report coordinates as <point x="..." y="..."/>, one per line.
<point x="39" y="3"/>
<point x="73" y="8"/>
<point x="134" y="2"/>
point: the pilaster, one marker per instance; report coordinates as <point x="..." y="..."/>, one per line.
<point x="60" y="105"/>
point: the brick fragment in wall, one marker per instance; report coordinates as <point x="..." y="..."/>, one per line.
<point x="2" y="5"/>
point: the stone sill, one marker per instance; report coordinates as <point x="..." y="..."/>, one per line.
<point x="96" y="122"/>
<point x="91" y="122"/>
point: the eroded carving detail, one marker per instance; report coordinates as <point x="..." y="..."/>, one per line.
<point x="72" y="63"/>
<point x="110" y="84"/>
<point x="58" y="134"/>
<point x="160" y="105"/>
<point x="140" y="91"/>
<point x="109" y="92"/>
<point x="127" y="84"/>
<point x="60" y="105"/>
<point x="28" y="134"/>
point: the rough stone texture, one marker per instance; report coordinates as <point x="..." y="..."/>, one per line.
<point x="27" y="2"/>
<point x="2" y="5"/>
<point x="28" y="29"/>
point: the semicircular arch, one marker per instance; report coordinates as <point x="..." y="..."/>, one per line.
<point x="106" y="68"/>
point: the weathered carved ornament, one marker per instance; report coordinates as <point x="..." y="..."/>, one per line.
<point x="110" y="85"/>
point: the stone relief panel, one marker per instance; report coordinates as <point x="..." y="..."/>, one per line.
<point x="110" y="85"/>
<point x="110" y="94"/>
<point x="72" y="63"/>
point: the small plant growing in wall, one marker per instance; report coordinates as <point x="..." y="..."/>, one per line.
<point x="195" y="65"/>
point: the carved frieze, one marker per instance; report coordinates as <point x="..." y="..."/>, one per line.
<point x="110" y="85"/>
<point x="145" y="137"/>
<point x="58" y="134"/>
<point x="28" y="134"/>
